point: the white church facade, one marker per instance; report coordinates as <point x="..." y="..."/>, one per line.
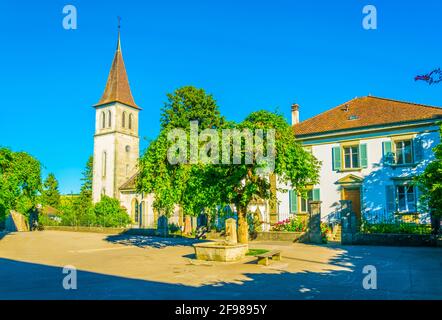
<point x="370" y="149"/>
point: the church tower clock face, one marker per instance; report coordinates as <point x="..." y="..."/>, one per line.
<point x="116" y="140"/>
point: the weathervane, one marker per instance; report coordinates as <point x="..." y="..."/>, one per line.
<point x="119" y="22"/>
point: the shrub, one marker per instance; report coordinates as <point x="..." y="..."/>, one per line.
<point x="109" y="213"/>
<point x="325" y="229"/>
<point x="400" y="228"/>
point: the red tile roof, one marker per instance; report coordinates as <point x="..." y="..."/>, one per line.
<point x="117" y="86"/>
<point x="363" y="112"/>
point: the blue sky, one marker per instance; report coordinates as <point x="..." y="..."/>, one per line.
<point x="249" y="54"/>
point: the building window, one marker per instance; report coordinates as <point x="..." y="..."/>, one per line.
<point x="404" y="153"/>
<point x="351" y="157"/>
<point x="103" y="120"/>
<point x="109" y="114"/>
<point x="104" y="164"/>
<point x="124" y="120"/>
<point x="406" y="198"/>
<point x="130" y="121"/>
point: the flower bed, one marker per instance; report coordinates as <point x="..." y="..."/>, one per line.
<point x="296" y="224"/>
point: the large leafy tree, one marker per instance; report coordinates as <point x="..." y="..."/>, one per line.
<point x="20" y="181"/>
<point x="430" y="183"/>
<point x="240" y="184"/>
<point x="50" y="195"/>
<point x="174" y="183"/>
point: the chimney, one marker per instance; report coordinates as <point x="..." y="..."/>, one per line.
<point x="295" y="114"/>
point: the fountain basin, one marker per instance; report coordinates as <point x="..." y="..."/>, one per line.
<point x="220" y="251"/>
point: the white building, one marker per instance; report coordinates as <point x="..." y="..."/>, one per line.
<point x="370" y="149"/>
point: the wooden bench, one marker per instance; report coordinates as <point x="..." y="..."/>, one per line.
<point x="264" y="258"/>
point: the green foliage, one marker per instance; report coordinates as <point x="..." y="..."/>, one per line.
<point x="86" y="187"/>
<point x="20" y="182"/>
<point x="50" y="195"/>
<point x="201" y="187"/>
<point x="109" y="213"/>
<point x="430" y="182"/>
<point x="325" y="230"/>
<point x="242" y="183"/>
<point x="190" y="104"/>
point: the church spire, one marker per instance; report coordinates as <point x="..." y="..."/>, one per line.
<point x="117" y="86"/>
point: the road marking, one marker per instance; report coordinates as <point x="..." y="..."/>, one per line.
<point x="98" y="249"/>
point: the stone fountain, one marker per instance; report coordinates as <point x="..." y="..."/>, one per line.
<point x="224" y="251"/>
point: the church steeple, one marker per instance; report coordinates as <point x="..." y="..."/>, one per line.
<point x="117" y="86"/>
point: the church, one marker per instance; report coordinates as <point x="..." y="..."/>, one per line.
<point x="117" y="150"/>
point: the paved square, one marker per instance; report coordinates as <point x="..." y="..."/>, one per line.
<point x="134" y="267"/>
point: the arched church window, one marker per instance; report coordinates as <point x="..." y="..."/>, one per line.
<point x="104" y="163"/>
<point x="103" y="120"/>
<point x="109" y="114"/>
<point x="130" y="121"/>
<point x="123" y="121"/>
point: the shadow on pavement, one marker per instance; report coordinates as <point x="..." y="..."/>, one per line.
<point x="151" y="241"/>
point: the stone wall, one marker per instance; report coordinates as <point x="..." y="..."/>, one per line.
<point x="16" y="222"/>
<point x="280" y="236"/>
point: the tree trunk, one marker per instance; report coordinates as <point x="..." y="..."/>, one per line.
<point x="243" y="227"/>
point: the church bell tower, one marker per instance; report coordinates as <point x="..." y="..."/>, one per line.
<point x="116" y="140"/>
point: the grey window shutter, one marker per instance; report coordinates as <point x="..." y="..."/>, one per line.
<point x="417" y="149"/>
<point x="391" y="198"/>
<point x="293" y="200"/>
<point x="336" y="158"/>
<point x="316" y="195"/>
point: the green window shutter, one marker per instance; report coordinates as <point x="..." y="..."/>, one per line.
<point x="417" y="150"/>
<point x="387" y="152"/>
<point x="336" y="158"/>
<point x="363" y="155"/>
<point x="391" y="199"/>
<point x="316" y="195"/>
<point x="293" y="199"/>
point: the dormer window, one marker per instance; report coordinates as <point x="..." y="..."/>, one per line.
<point x="353" y="117"/>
